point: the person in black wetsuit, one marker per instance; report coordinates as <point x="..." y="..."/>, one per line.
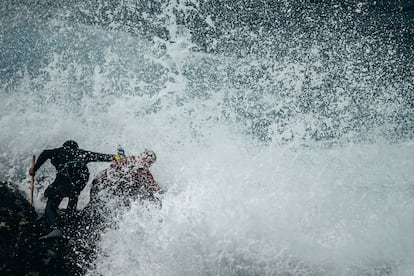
<point x="71" y="178"/>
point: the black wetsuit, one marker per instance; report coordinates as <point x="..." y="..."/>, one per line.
<point x="71" y="177"/>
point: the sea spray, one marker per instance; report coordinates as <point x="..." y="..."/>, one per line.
<point x="285" y="149"/>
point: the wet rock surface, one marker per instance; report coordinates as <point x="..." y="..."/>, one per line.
<point x="21" y="251"/>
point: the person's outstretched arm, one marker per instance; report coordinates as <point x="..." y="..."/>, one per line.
<point x="46" y="154"/>
<point x="90" y="156"/>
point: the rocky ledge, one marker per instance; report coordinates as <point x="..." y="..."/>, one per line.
<point x="21" y="251"/>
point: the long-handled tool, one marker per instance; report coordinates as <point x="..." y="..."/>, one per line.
<point x="32" y="182"/>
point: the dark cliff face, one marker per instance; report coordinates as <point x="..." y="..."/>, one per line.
<point x="15" y="216"/>
<point x="21" y="251"/>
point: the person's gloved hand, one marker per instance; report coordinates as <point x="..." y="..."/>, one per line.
<point x="120" y="154"/>
<point x="119" y="158"/>
<point x="31" y="172"/>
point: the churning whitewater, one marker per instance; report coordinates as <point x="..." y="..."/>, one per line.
<point x="284" y="139"/>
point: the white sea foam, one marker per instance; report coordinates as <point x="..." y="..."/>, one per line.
<point x="258" y="183"/>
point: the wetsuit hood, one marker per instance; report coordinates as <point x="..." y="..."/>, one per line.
<point x="70" y="144"/>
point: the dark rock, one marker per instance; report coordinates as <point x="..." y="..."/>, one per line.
<point x="21" y="251"/>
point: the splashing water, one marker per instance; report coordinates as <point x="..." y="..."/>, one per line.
<point x="285" y="144"/>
